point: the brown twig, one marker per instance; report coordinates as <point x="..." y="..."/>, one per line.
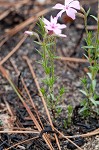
<point x="76" y="60"/>
<point x="88" y="2"/>
<point x="22" y="142"/>
<point x="29" y="132"/>
<point x="13" y="4"/>
<point x="89" y="27"/>
<point x="13" y="51"/>
<point x="95" y="132"/>
<point x="22" y="25"/>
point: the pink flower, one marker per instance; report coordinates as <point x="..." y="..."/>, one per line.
<point x="70" y="7"/>
<point x="53" y="27"/>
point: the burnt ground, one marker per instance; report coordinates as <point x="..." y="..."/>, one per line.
<point x="13" y="115"/>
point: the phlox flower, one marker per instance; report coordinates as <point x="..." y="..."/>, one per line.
<point x="70" y="7"/>
<point x="53" y="27"/>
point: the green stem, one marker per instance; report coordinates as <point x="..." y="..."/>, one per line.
<point x="97" y="38"/>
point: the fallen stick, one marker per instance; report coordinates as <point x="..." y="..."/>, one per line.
<point x="12" y="7"/>
<point x="19" y="143"/>
<point x="13" y="51"/>
<point x="12" y="132"/>
<point x="71" y="59"/>
<point x="22" y="25"/>
<point x="90" y="27"/>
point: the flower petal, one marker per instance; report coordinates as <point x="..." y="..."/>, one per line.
<point x="62" y="35"/>
<point x="48" y="28"/>
<point x="67" y="2"/>
<point x="58" y="6"/>
<point x="60" y="13"/>
<point x="46" y="21"/>
<point x="61" y="26"/>
<point x="71" y="13"/>
<point x="57" y="31"/>
<point x="75" y="4"/>
<point x="53" y="20"/>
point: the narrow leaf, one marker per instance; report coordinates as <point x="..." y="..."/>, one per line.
<point x="83" y="92"/>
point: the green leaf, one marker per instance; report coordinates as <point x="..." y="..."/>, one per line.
<point x="52" y="97"/>
<point x="84" y="80"/>
<point x="88" y="47"/>
<point x="93" y="84"/>
<point x="42" y="90"/>
<point x="49" y="44"/>
<point x="83" y="109"/>
<point x="88" y="12"/>
<point x="89" y="75"/>
<point x="61" y="91"/>
<point x="38" y="51"/>
<point x="39" y="43"/>
<point x="82" y="91"/>
<point x="95" y="18"/>
<point x="93" y="101"/>
<point x="86" y="56"/>
<point x="70" y="109"/>
<point x="59" y="109"/>
<point x="47" y="70"/>
<point x="97" y="102"/>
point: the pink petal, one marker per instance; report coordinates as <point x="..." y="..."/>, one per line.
<point x="60" y="13"/>
<point x="75" y="4"/>
<point x="71" y="13"/>
<point x="46" y="21"/>
<point x="67" y="2"/>
<point x="58" y="6"/>
<point x="49" y="28"/>
<point x="61" y="26"/>
<point x="62" y="35"/>
<point x="53" y="20"/>
<point x="57" y="31"/>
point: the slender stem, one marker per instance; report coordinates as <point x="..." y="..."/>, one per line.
<point x="97" y="39"/>
<point x="98" y="22"/>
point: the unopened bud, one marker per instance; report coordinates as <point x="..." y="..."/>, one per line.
<point x="28" y="33"/>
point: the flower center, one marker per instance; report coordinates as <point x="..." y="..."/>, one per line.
<point x="53" y="26"/>
<point x="66" y="6"/>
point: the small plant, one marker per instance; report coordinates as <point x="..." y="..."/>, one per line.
<point x="49" y="30"/>
<point x="67" y="122"/>
<point x="70" y="111"/>
<point x="91" y="102"/>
